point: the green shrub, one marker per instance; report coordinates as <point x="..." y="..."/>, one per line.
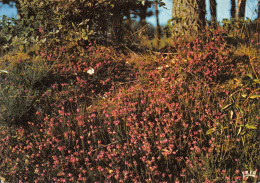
<point x="18" y="91"/>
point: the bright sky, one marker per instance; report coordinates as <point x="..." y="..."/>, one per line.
<point x="7" y="10"/>
<point x="223" y="11"/>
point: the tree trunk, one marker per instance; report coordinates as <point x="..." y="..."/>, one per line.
<point x="128" y="24"/>
<point x="143" y="14"/>
<point x="241" y="7"/>
<point x="158" y="28"/>
<point x="188" y="17"/>
<point x="202" y="13"/>
<point x="238" y="8"/>
<point x="213" y="12"/>
<point x="233" y="9"/>
<point x="117" y="25"/>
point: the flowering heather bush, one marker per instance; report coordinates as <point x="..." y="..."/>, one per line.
<point x="62" y="112"/>
<point x="207" y="58"/>
<point x="171" y="124"/>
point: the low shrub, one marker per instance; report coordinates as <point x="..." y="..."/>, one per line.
<point x="74" y="85"/>
<point x="106" y="120"/>
<point x="20" y="73"/>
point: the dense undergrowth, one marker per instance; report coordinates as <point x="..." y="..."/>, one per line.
<point x="95" y="115"/>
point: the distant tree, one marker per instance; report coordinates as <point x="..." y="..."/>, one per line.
<point x="143" y="13"/>
<point x="141" y="10"/>
<point x="125" y="8"/>
<point x="80" y="21"/>
<point x="158" y="28"/>
<point x="72" y="21"/>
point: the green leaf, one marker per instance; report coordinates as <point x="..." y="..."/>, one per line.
<point x="254" y="96"/>
<point x="231" y="114"/>
<point x="256" y="81"/>
<point x="210" y="131"/>
<point x="248" y="78"/>
<point x="8" y="37"/>
<point x="244" y="95"/>
<point x="239" y="130"/>
<point x="251" y="127"/>
<point x="227" y="106"/>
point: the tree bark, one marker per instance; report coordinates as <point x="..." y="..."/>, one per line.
<point x="202" y="13"/>
<point x="213" y="12"/>
<point x="117" y="25"/>
<point x="188" y="17"/>
<point x="241" y="7"/>
<point x="233" y="9"/>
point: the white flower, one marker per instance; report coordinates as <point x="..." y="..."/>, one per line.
<point x="2" y="179"/>
<point x="159" y="68"/>
<point x="4" y="71"/>
<point x="162" y="67"/>
<point x="91" y="71"/>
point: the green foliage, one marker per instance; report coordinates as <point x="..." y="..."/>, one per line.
<point x="52" y="23"/>
<point x="18" y="93"/>
<point x="19" y="34"/>
<point x="243" y="31"/>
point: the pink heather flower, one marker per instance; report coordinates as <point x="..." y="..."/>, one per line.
<point x="80" y="122"/>
<point x="41" y="30"/>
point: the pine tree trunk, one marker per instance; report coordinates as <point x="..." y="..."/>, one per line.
<point x="241" y="7"/>
<point x="213" y="12"/>
<point x="188" y="17"/>
<point x="202" y="13"/>
<point x="117" y="26"/>
<point x="233" y="9"/>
